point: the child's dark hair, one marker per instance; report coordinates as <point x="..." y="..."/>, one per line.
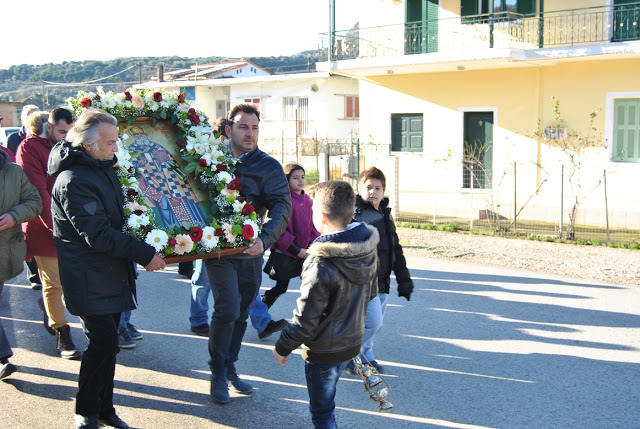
<point x="336" y="199"/>
<point x="291" y="167"/>
<point x="373" y="173"/>
<point x="219" y="126"/>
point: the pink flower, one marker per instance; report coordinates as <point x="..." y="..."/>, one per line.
<point x="184" y="244"/>
<point x="137" y="101"/>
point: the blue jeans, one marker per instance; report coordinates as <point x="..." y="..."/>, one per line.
<point x="200" y="290"/>
<point x="372" y="324"/>
<point x="259" y="314"/>
<point x="234" y="283"/>
<point x="124" y="319"/>
<point x="321" y="385"/>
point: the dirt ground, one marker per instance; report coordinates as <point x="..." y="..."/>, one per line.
<point x="618" y="266"/>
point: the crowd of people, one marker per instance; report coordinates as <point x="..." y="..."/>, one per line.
<point x="66" y="195"/>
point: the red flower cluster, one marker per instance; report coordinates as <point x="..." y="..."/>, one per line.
<point x="181" y="144"/>
<point x="202" y="163"/>
<point x="146" y="228"/>
<point x="218" y="232"/>
<point x="85" y="102"/>
<point x="193" y="116"/>
<point x="247" y="232"/>
<point x="247" y="209"/>
<point x="128" y="96"/>
<point x="235" y="185"/>
<point x="181" y="98"/>
<point x="138" y="212"/>
<point x="157" y="97"/>
<point x="172" y="241"/>
<point x="221" y="167"/>
<point x="196" y="234"/>
<point x="97" y="97"/>
<point x="132" y="192"/>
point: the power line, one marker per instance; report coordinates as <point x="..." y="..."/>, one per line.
<point x="90" y="81"/>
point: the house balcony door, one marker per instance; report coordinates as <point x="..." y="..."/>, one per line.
<point x="626" y="20"/>
<point x="421" y="27"/>
<point x="477" y="165"/>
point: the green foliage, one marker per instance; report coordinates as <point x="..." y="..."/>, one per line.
<point x="449" y="227"/>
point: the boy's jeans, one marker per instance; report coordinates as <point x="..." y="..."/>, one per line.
<point x="321" y="385"/>
<point x="200" y="290"/>
<point x="372" y="324"/>
<point x="259" y="314"/>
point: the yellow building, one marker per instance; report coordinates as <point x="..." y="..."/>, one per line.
<point x="486" y="105"/>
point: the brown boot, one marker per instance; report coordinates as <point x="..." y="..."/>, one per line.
<point x="66" y="348"/>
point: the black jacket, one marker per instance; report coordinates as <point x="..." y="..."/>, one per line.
<point x="265" y="186"/>
<point x="389" y="249"/>
<point x="338" y="281"/>
<point x="94" y="255"/>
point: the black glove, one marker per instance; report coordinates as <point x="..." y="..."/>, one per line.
<point x="405" y="289"/>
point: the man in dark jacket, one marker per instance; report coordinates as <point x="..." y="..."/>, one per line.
<point x="95" y="256"/>
<point x="338" y="281"/>
<point x="235" y="280"/>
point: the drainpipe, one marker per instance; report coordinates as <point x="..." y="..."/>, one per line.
<point x="332" y="31"/>
<point x="541" y="25"/>
<point x="491" y="11"/>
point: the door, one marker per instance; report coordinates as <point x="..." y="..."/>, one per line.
<point x="478" y="150"/>
<point x="421" y="26"/>
<point x="625" y="15"/>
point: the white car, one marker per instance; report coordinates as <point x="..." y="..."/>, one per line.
<point x="5" y="132"/>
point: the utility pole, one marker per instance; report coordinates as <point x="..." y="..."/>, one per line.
<point x="43" y="105"/>
<point x="139" y="72"/>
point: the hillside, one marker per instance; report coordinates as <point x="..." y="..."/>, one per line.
<point x="62" y="80"/>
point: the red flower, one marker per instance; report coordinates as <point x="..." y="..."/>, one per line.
<point x="127" y="96"/>
<point x="218" y="232"/>
<point x="193" y="116"/>
<point x="196" y="234"/>
<point x="181" y="98"/>
<point x="172" y="241"/>
<point x="196" y="120"/>
<point x="247" y="232"/>
<point x="247" y="209"/>
<point x="235" y="185"/>
<point x="240" y="199"/>
<point x="146" y="228"/>
<point x="138" y="212"/>
<point x="98" y="97"/>
<point x="202" y="163"/>
<point x="131" y="170"/>
<point x="85" y="102"/>
<point x="157" y="97"/>
<point x="181" y="144"/>
<point x="132" y="192"/>
<point x="221" y="167"/>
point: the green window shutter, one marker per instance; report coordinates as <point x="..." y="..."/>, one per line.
<point x="626" y="130"/>
<point x="406" y="132"/>
<point x="526" y="7"/>
<point x="468" y="7"/>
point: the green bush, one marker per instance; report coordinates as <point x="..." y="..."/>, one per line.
<point x="449" y="227"/>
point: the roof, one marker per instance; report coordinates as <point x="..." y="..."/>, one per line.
<point x="209" y="71"/>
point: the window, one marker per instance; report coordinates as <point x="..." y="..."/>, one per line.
<point x="351" y="107"/>
<point x="481" y="7"/>
<point x="297" y="109"/>
<point x="406" y="132"/>
<point x="253" y="100"/>
<point x="626" y="130"/>
<point x="189" y="92"/>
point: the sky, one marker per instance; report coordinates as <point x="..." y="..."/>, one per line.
<point x="76" y="30"/>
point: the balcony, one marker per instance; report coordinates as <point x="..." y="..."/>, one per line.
<point x="564" y="28"/>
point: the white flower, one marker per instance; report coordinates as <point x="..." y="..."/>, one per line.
<point x="157" y="238"/>
<point x="209" y="240"/>
<point x="224" y="177"/>
<point x="136" y="221"/>
<point x="133" y="206"/>
<point x="237" y="206"/>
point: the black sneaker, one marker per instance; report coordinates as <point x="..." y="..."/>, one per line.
<point x="272" y="327"/>
<point x="202" y="330"/>
<point x="113" y="421"/>
<point x="377" y="366"/>
<point x="36" y="286"/>
<point x="6" y="369"/>
<point x="45" y="317"/>
<point x="350" y="369"/>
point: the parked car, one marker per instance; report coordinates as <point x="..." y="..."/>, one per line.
<point x="6" y="132"/>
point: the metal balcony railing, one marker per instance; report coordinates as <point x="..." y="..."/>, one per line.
<point x="571" y="27"/>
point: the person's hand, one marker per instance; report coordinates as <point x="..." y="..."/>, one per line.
<point x="302" y="254"/>
<point x="282" y="360"/>
<point x="6" y="221"/>
<point x="157" y="263"/>
<point x="256" y="249"/>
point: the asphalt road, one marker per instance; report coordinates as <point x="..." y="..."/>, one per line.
<point x="476" y="347"/>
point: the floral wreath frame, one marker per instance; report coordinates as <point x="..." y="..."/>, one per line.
<point x="234" y="224"/>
